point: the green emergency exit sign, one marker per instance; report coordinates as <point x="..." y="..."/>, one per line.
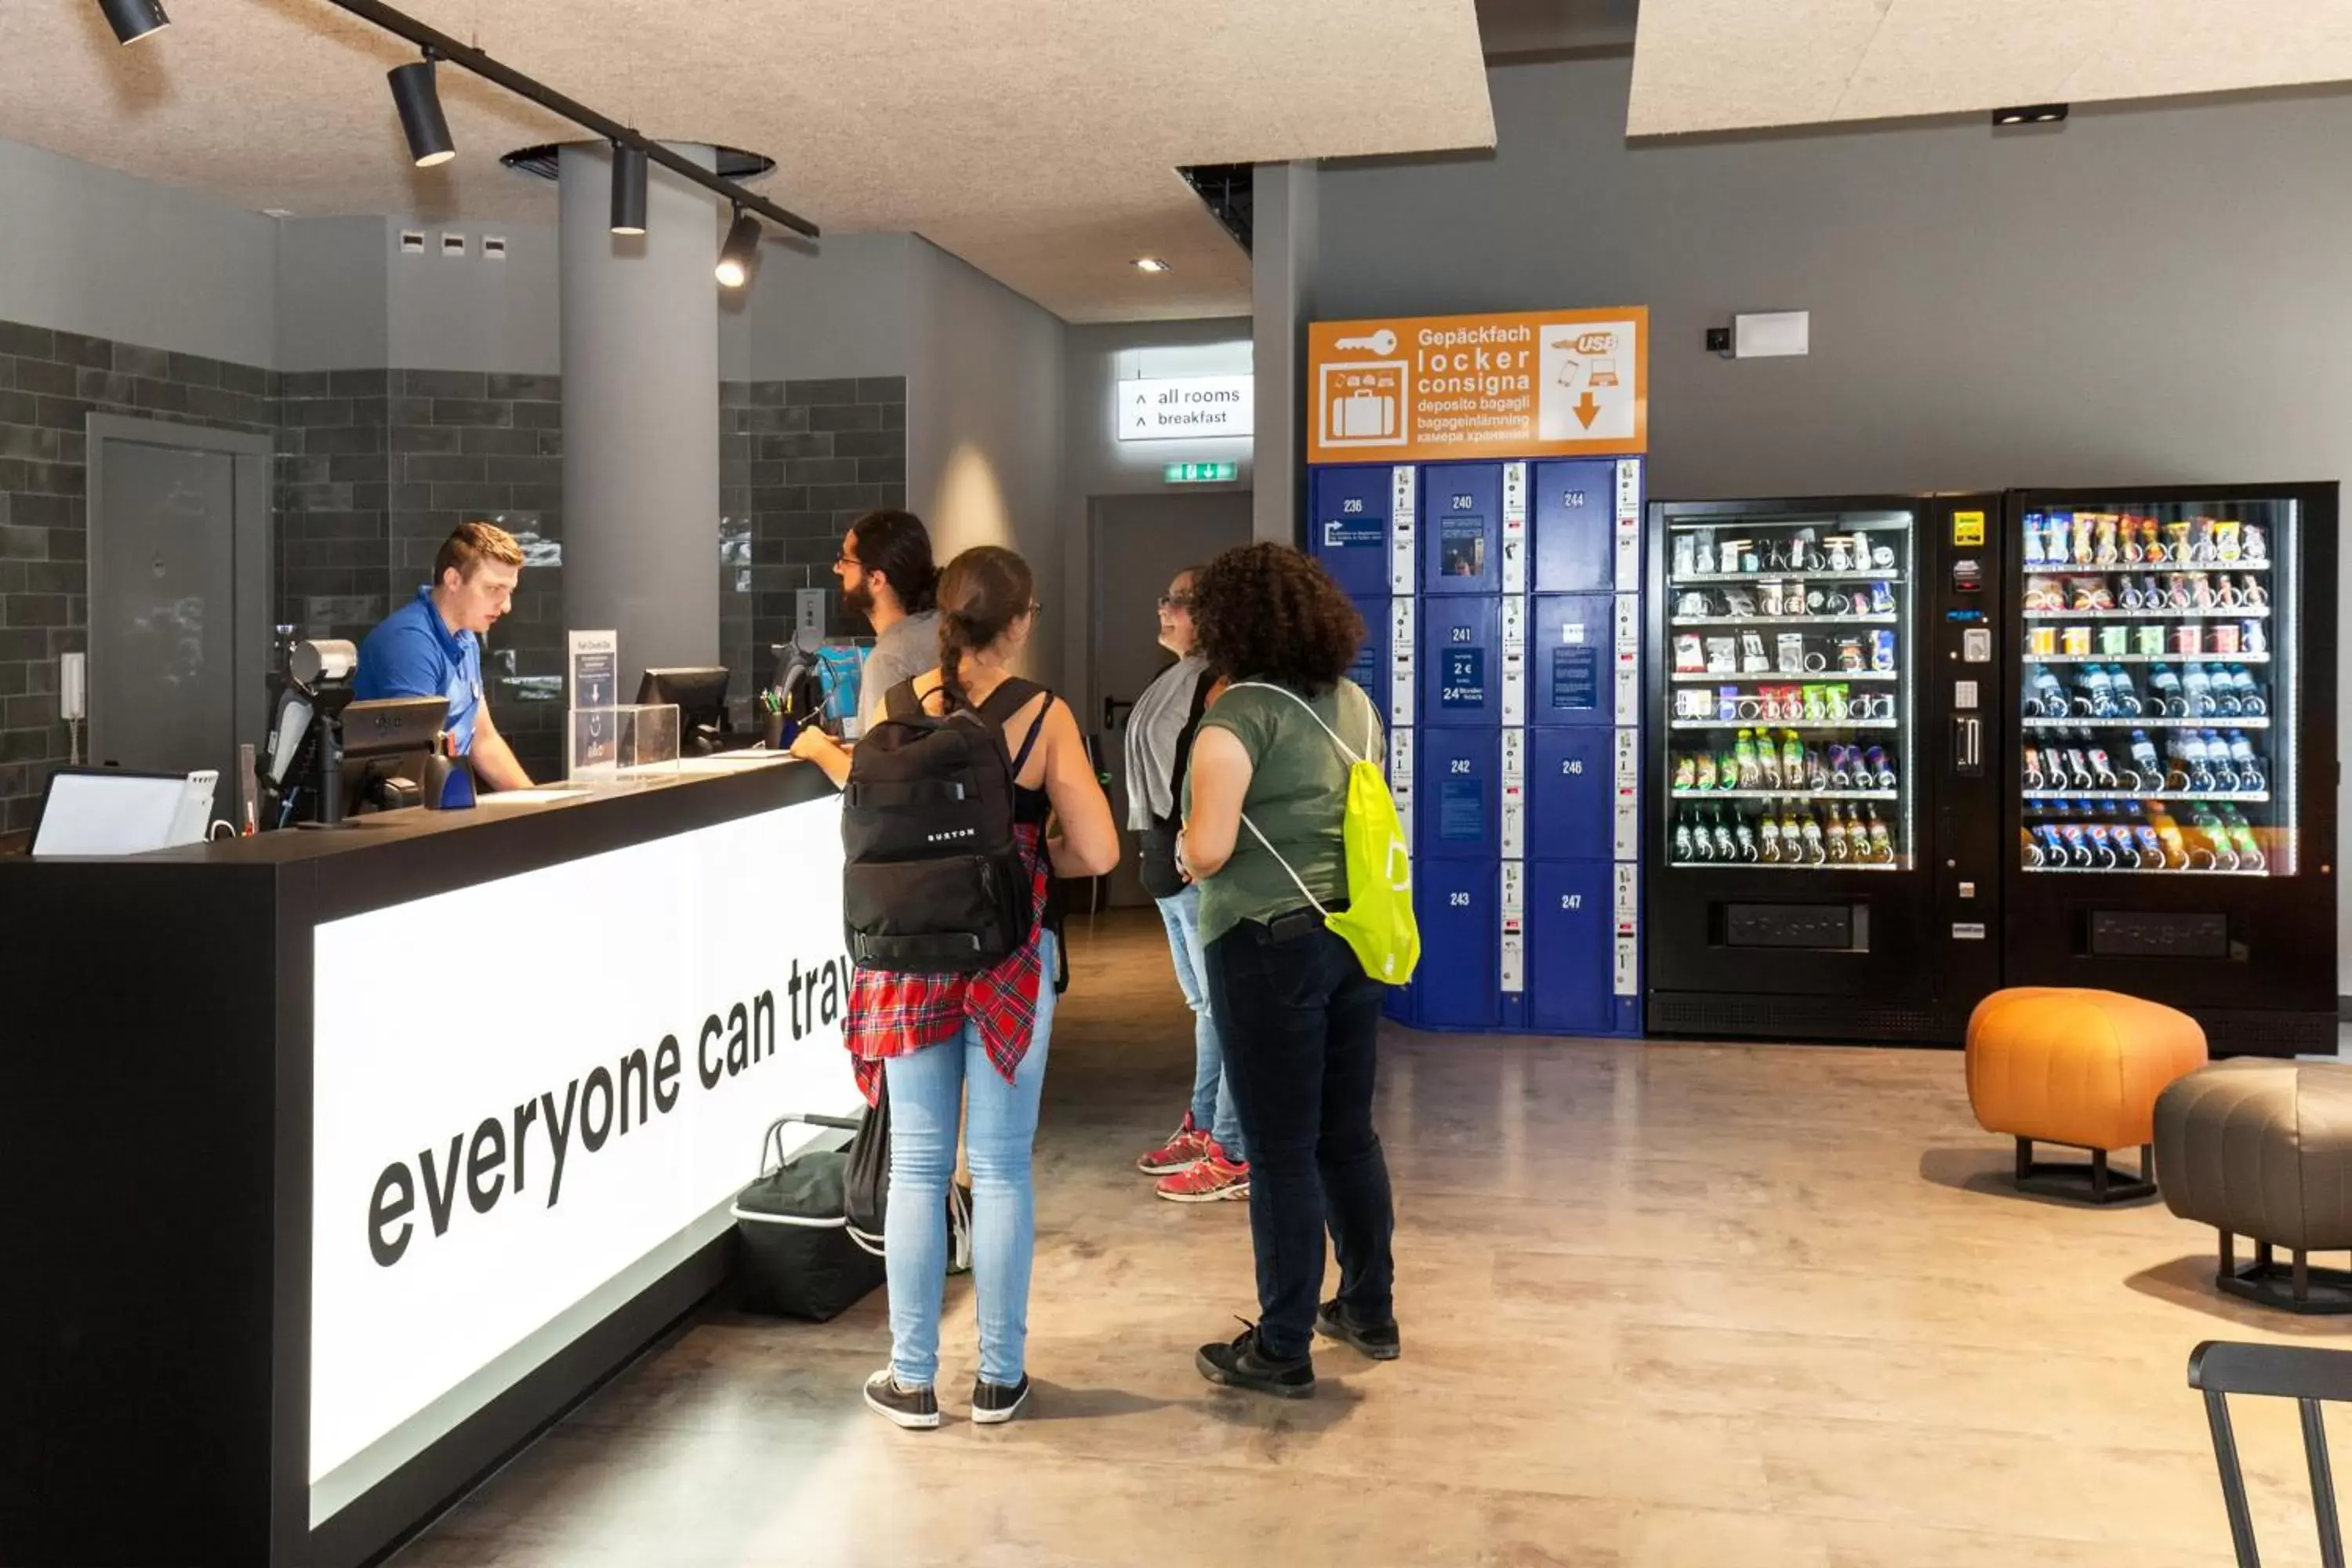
<point x="1200" y="473"/>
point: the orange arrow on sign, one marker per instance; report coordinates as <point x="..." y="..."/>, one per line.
<point x="1586" y="409"/>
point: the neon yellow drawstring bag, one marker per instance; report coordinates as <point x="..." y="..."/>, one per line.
<point x="1377" y="923"/>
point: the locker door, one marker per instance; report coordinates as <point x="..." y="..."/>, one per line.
<point x="1458" y="985"/>
<point x="1461" y="661"/>
<point x="1348" y="525"/>
<point x="1575" y="545"/>
<point x="1571" y="946"/>
<point x="1371" y="669"/>
<point x="1462" y="527"/>
<point x="1572" y="798"/>
<point x="1571" y="660"/>
<point x="1461" y="796"/>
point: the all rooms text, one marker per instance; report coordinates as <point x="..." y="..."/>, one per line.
<point x="495" y="1161"/>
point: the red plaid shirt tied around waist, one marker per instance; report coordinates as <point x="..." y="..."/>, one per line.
<point x="893" y="1014"/>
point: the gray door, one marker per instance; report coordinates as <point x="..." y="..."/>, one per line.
<point x="179" y="625"/>
<point x="1139" y="543"/>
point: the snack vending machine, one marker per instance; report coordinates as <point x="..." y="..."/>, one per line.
<point x="2172" y="819"/>
<point x="1825" y="858"/>
<point x="1502" y="604"/>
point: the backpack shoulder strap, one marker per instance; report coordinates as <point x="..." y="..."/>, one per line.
<point x="1303" y="703"/>
<point x="900" y="702"/>
<point x="1010" y="697"/>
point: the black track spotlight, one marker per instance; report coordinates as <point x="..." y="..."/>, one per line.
<point x="739" y="259"/>
<point x="628" y="189"/>
<point x="133" y="19"/>
<point x="421" y="119"/>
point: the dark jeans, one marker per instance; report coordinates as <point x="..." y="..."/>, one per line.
<point x="1300" y="1021"/>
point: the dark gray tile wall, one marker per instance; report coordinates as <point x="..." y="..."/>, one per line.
<point x="374" y="468"/>
<point x="49" y="383"/>
<point x="820" y="452"/>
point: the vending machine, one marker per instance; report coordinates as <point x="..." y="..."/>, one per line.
<point x="1825" y="858"/>
<point x="1475" y="486"/>
<point x="2170" y="813"/>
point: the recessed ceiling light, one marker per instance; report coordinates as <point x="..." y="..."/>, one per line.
<point x="277" y="211"/>
<point x="1150" y="264"/>
<point x="2031" y="114"/>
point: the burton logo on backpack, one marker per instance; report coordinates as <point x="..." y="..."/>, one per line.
<point x="933" y="879"/>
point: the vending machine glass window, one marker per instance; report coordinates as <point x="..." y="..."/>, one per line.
<point x="2159" y="689"/>
<point x="1791" y="720"/>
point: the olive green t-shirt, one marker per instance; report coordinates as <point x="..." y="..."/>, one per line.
<point x="1297" y="797"/>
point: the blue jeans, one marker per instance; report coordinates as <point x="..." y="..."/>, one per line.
<point x="927" y="1094"/>
<point x="1213" y="1097"/>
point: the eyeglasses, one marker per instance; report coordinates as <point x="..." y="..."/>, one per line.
<point x="847" y="561"/>
<point x="1176" y="602"/>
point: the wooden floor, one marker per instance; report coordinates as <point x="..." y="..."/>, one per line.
<point x="1662" y="1305"/>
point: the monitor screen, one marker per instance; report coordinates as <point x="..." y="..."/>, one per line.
<point x="699" y="693"/>
<point x="393" y="724"/>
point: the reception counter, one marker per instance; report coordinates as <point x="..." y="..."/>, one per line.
<point x="336" y="1164"/>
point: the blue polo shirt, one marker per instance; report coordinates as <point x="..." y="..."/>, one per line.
<point x="413" y="654"/>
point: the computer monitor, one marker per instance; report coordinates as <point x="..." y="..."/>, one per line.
<point x="700" y="695"/>
<point x="386" y="745"/>
<point x="108" y="811"/>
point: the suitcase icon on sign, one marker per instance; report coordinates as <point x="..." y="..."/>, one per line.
<point x="1363" y="415"/>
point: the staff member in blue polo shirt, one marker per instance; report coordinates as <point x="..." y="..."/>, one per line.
<point x="431" y="647"/>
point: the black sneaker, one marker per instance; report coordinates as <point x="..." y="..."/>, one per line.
<point x="916" y="1409"/>
<point x="992" y="1404"/>
<point x="1242" y="1365"/>
<point x="1377" y="1340"/>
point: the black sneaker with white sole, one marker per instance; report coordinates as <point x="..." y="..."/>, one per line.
<point x="1377" y="1340"/>
<point x="1244" y="1363"/>
<point x="916" y="1409"/>
<point x="992" y="1404"/>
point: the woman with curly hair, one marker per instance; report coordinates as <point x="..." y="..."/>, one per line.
<point x="1265" y="804"/>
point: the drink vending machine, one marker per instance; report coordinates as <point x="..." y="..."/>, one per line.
<point x="1502" y="603"/>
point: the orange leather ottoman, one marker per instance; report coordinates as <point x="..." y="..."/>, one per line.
<point x="2077" y="1067"/>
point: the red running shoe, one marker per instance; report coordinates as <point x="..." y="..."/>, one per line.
<point x="1215" y="1180"/>
<point x="1185" y="1149"/>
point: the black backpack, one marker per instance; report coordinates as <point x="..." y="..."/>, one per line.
<point x="933" y="879"/>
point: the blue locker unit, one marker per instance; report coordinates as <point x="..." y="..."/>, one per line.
<point x="1573" y="659"/>
<point x="1348" y="527"/>
<point x="1569" y="926"/>
<point x="1571" y="792"/>
<point x="1459" y="795"/>
<point x="1371" y="669"/>
<point x="1574" y="525"/>
<point x="1454" y="901"/>
<point x="1461" y="661"/>
<point x="1461" y="520"/>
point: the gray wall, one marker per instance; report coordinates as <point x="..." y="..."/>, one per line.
<point x="330" y="294"/>
<point x="984" y="429"/>
<point x="84" y="249"/>
<point x="350" y="299"/>
<point x="1096" y="462"/>
<point x="839" y="311"/>
<point x="2147" y="294"/>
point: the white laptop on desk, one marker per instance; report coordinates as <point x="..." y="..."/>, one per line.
<point x="106" y="811"/>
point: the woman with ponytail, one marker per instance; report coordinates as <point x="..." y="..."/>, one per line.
<point x="937" y="1037"/>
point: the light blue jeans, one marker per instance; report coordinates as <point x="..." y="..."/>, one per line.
<point x="926" y="1095"/>
<point x="1213" y="1097"/>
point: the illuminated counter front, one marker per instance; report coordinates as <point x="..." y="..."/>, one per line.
<point x="337" y="1164"/>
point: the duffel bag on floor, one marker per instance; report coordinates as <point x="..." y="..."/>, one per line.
<point x="796" y="1258"/>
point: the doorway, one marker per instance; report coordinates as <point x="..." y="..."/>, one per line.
<point x="1135" y="543"/>
<point x="179" y="597"/>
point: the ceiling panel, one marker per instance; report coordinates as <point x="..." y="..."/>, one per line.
<point x="1729" y="64"/>
<point x="1037" y="139"/>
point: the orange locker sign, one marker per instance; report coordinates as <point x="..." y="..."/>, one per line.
<point x="1534" y="384"/>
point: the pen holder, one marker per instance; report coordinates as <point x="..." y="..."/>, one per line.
<point x="777" y="730"/>
<point x="448" y="783"/>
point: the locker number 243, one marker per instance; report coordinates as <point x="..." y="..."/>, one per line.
<point x="1458" y="900"/>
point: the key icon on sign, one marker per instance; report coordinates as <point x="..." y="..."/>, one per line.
<point x="1379" y="343"/>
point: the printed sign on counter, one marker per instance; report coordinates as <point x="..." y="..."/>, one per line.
<point x="1533" y="383"/>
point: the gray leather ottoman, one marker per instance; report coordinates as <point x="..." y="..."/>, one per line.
<point x="2263" y="1150"/>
